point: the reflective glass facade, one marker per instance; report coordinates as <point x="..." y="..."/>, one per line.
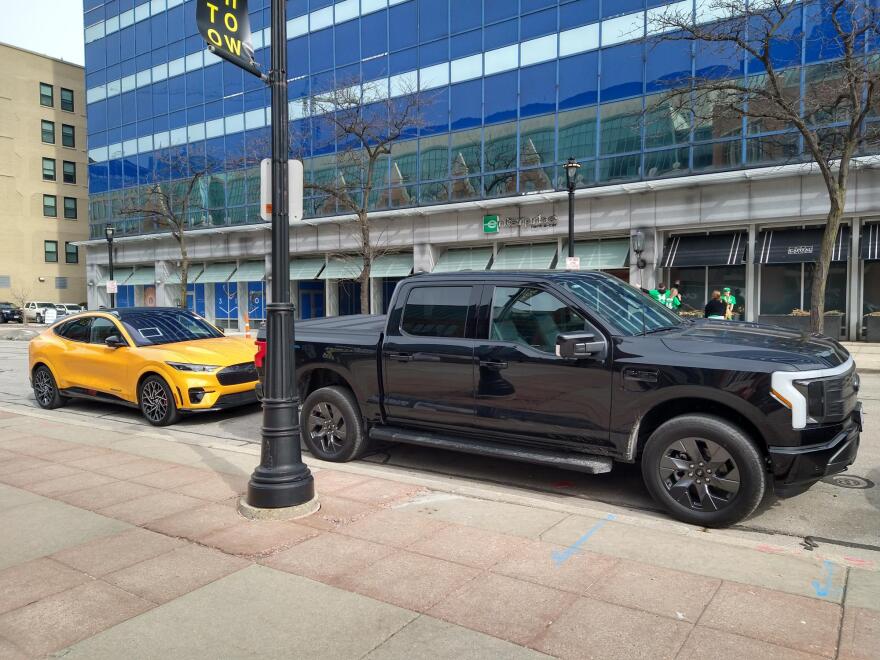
<point x="514" y="87"/>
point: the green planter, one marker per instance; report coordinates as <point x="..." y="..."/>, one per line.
<point x="872" y="328"/>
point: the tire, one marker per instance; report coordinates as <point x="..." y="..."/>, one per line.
<point x="332" y="426"/>
<point x="157" y="402"/>
<point x="725" y="493"/>
<point x="39" y="319"/>
<point x="46" y="389"/>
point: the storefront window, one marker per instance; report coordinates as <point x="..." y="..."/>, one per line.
<point x="696" y="285"/>
<point x="871" y="303"/>
<point x="780" y="288"/>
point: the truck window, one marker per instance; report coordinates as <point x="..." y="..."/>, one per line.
<point x="437" y="311"/>
<point x="531" y="317"/>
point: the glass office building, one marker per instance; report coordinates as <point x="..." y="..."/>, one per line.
<point x="513" y="89"/>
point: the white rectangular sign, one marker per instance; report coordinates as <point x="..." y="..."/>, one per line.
<point x="111" y="286"/>
<point x="573" y="263"/>
<point x="295" y="184"/>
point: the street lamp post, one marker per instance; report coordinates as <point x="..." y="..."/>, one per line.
<point x="108" y="233"/>
<point x="571" y="172"/>
<point x="282" y="480"/>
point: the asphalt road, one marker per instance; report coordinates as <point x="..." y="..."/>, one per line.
<point x="845" y="509"/>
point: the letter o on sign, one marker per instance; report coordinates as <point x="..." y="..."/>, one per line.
<point x="231" y="22"/>
<point x="214" y="36"/>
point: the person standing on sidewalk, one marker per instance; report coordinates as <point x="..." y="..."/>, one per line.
<point x="730" y="300"/>
<point x="716" y="308"/>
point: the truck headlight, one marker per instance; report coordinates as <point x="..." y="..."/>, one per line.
<point x="814" y="393"/>
<point x="195" y="368"/>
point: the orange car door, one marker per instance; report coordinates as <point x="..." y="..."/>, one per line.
<point x="70" y="351"/>
<point x="107" y="368"/>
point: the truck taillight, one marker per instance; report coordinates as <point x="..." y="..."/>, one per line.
<point x="260" y="357"/>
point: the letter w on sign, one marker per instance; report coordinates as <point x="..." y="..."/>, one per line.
<point x="225" y="26"/>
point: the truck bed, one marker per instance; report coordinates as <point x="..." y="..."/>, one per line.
<point x="360" y="329"/>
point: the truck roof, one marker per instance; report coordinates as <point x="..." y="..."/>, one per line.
<point x="505" y="275"/>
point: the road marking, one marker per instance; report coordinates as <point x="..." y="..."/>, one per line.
<point x="560" y="556"/>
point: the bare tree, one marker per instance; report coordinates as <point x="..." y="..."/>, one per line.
<point x="363" y="124"/>
<point x="20" y="296"/>
<point x="829" y="117"/>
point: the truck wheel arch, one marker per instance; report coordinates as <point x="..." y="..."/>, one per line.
<point x="675" y="407"/>
<point x="323" y="377"/>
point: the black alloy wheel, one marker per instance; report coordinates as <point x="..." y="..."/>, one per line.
<point x="46" y="389"/>
<point x="704" y="470"/>
<point x="157" y="402"/>
<point x="331" y="425"/>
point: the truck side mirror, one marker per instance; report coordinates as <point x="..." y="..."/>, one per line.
<point x="580" y="346"/>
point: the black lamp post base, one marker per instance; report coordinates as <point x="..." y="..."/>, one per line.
<point x="283" y="512"/>
<point x="271" y="490"/>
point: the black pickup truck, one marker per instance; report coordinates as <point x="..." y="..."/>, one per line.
<point x="579" y="370"/>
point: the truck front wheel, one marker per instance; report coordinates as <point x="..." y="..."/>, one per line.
<point x="704" y="470"/>
<point x="331" y="425"/>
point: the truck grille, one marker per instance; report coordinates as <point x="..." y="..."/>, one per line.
<point x="841" y="395"/>
<point x="237" y="374"/>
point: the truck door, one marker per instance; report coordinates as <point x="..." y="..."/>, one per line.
<point x="523" y="388"/>
<point x="428" y="357"/>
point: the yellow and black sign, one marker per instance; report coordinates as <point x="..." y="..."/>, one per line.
<point x="225" y="25"/>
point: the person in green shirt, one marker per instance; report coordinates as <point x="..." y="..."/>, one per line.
<point x="667" y="297"/>
<point x="730" y="300"/>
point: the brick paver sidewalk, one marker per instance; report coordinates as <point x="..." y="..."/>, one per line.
<point x="106" y="553"/>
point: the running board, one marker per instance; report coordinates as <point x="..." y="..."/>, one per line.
<point x="566" y="460"/>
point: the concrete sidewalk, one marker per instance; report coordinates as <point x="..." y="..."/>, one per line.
<point x="130" y="546"/>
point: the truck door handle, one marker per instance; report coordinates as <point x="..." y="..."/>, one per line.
<point x="400" y="357"/>
<point x="641" y="375"/>
<point x="495" y="366"/>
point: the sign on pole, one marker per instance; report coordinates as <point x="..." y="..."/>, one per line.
<point x="572" y="263"/>
<point x="225" y="25"/>
<point x="111" y="286"/>
<point x="294" y="190"/>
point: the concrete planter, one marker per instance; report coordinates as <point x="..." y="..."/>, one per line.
<point x="802" y="323"/>
<point x="872" y="328"/>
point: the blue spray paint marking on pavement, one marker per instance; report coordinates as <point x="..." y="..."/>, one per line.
<point x="823" y="590"/>
<point x="559" y="556"/>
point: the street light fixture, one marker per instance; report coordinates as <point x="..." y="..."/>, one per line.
<point x="638" y="246"/>
<point x="108" y="233"/>
<point x="571" y="172"/>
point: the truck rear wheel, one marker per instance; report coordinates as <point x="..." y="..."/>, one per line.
<point x="331" y="425"/>
<point x="704" y="470"/>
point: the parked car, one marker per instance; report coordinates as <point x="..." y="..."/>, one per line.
<point x="580" y="370"/>
<point x="9" y="313"/>
<point x="70" y="308"/>
<point x="61" y="311"/>
<point x="167" y="362"/>
<point x="35" y="312"/>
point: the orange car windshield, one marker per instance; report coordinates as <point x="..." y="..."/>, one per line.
<point x="152" y="328"/>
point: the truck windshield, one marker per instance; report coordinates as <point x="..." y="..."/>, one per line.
<point x="620" y="305"/>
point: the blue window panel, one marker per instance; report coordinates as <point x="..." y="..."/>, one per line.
<point x="375" y="68"/>
<point x="195" y="298"/>
<point x="311" y="300"/>
<point x="500" y="95"/>
<point x="713" y="61"/>
<point x="143" y="62"/>
<point x="175" y="23"/>
<point x="348" y="47"/>
<point x="501" y="34"/>
<point x="111" y="45"/>
<point x="297" y="57"/>
<point x="114" y="135"/>
<point x="98" y="140"/>
<point x="144" y="96"/>
<point x="349" y="297"/>
<point x="668" y="65"/>
<point x="404" y="60"/>
<point x="321" y="49"/>
<point x="176" y="93"/>
<point x="821" y="40"/>
<point x="125" y="296"/>
<point x="347" y="74"/>
<point x="197" y="160"/>
<point x="537" y="25"/>
<point x="160" y="122"/>
<point x="436" y="113"/>
<point x="433" y="19"/>
<point x="298" y="88"/>
<point x="434" y="52"/>
<point x="195" y="88"/>
<point x="146" y="167"/>
<point x="215" y="154"/>
<point x="322" y="82"/>
<point x="537" y="89"/>
<point x="189" y="21"/>
<point x="622" y="71"/>
<point x="213" y="110"/>
<point x="96" y="77"/>
<point x="403" y="23"/>
<point x="126" y="43"/>
<point x="143" y="40"/>
<point x="160" y="97"/>
<point x="785" y="47"/>
<point x="532" y="5"/>
<point x="464" y="15"/>
<point x="295" y="7"/>
<point x="144" y="127"/>
<point x="129" y="106"/>
<point x="176" y="49"/>
<point x="255" y="100"/>
<point x="98" y="179"/>
<point x="96" y="56"/>
<point x="256" y="301"/>
<point x="177" y="119"/>
<point x="465" y="44"/>
<point x="129" y="131"/>
<point x="374" y="34"/>
<point x="159" y="30"/>
<point x="317" y="4"/>
<point x="115" y="168"/>
<point x="578" y="80"/>
<point x="467" y="105"/>
<point x="214" y="82"/>
<point x="498" y="10"/>
<point x="232" y="80"/>
<point x="129" y="172"/>
<point x="195" y="115"/>
<point x="91" y="4"/>
<point x="194" y="43"/>
<point x="235" y="153"/>
<point x="127" y="68"/>
<point x="97" y="117"/>
<point x="577" y="13"/>
<point x="178" y="167"/>
<point x="226" y="301"/>
<point x="159" y="56"/>
<point x="616" y="7"/>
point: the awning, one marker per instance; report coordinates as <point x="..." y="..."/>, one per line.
<point x="723" y="249"/>
<point x="464" y="259"/>
<point x="250" y="271"/>
<point x="525" y="257"/>
<point x="215" y="273"/>
<point x="306" y="269"/>
<point x="121" y="275"/>
<point x="599" y="255"/>
<point x="343" y="269"/>
<point x="143" y="275"/>
<point x="871" y="242"/>
<point x="392" y="265"/>
<point x="796" y="246"/>
<point x="191" y="276"/>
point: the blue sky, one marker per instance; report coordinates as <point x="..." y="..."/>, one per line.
<point x="50" y="27"/>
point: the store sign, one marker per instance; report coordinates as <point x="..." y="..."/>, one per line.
<point x="800" y="249"/>
<point x="225" y="26"/>
<point x="490" y="224"/>
<point x="534" y="222"/>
